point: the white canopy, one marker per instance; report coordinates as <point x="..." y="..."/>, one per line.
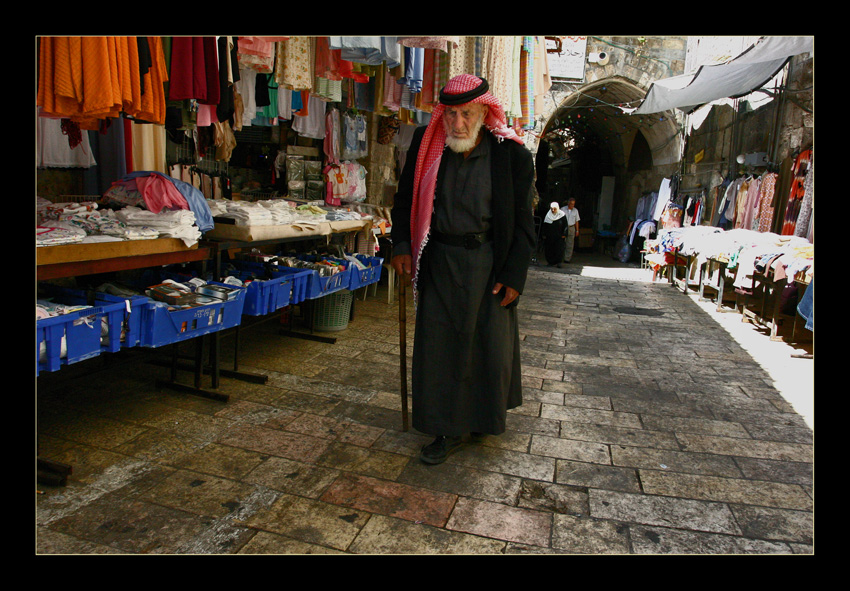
<point x="737" y="77"/>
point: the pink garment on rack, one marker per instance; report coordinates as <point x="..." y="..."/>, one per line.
<point x="261" y="46"/>
<point x="748" y="215"/>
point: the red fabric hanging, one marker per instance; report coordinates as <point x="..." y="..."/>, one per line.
<point x="798" y="191"/>
<point x="188" y="76"/>
<point x="128" y="144"/>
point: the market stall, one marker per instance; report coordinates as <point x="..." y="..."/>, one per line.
<point x="197" y="156"/>
<point x="763" y="270"/>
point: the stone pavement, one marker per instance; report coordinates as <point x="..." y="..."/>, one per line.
<point x="650" y="426"/>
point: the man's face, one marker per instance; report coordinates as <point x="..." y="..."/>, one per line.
<point x="462" y="124"/>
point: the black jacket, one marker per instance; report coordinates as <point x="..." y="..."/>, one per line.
<point x="513" y="222"/>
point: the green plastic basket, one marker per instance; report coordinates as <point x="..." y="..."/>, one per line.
<point x="332" y="311"/>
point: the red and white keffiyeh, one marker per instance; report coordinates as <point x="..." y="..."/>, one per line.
<point x="431" y="151"/>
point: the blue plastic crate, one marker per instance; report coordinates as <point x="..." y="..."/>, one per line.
<point x="130" y="329"/>
<point x="322" y="286"/>
<point x="302" y="279"/>
<point x="282" y="296"/>
<point x="161" y="326"/>
<point x="370" y="274"/>
<point x="318" y="286"/>
<point x="79" y="333"/>
<point x="264" y="296"/>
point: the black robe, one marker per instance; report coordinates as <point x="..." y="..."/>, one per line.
<point x="554" y="240"/>
<point x="466" y="362"/>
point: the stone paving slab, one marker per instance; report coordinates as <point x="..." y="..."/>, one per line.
<point x="650" y="425"/>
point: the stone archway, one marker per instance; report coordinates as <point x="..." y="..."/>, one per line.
<point x="595" y="119"/>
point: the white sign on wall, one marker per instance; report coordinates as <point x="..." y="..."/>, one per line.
<point x="569" y="61"/>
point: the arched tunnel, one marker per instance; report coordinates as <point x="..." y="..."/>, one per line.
<point x="594" y="150"/>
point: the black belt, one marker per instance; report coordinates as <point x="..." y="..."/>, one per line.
<point x="470" y="241"/>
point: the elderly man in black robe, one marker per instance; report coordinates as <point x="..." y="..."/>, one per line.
<point x="462" y="226"/>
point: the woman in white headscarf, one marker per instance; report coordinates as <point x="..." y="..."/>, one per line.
<point x="554" y="235"/>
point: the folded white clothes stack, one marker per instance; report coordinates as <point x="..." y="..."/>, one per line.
<point x="178" y="223"/>
<point x="55" y="211"/>
<point x="341" y="215"/>
<point x="248" y="213"/>
<point x="58" y="232"/>
<point x="164" y="219"/>
<point x="283" y="212"/>
<point x="120" y="230"/>
<point x="217" y="206"/>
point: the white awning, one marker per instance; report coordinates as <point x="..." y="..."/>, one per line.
<point x="748" y="72"/>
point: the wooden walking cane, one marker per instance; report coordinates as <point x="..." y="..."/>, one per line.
<point x="402" y="328"/>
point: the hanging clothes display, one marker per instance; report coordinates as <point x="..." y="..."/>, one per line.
<point x="527" y="80"/>
<point x="294" y="67"/>
<point x="258" y="53"/>
<point x="805" y="220"/>
<point x="665" y="193"/>
<point x="751" y="200"/>
<point x="693" y="210"/>
<point x="355" y="136"/>
<point x="194" y="71"/>
<point x="218" y="86"/>
<point x="371" y="50"/>
<point x="312" y="122"/>
<point x="764" y="215"/>
<point x="414" y="66"/>
<point x="748" y="202"/>
<point x="88" y="79"/>
<point x="330" y="145"/>
<point x="798" y="191"/>
<point x="228" y="71"/>
<point x="54" y="149"/>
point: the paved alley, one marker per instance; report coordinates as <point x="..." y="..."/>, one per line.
<point x="650" y="425"/>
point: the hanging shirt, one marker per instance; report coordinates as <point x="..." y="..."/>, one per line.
<point x="54" y="149"/>
<point x="368" y="49"/>
<point x="313" y="124"/>
<point x="663" y="197"/>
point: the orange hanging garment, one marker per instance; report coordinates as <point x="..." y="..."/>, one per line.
<point x="152" y="105"/>
<point x="88" y="79"/>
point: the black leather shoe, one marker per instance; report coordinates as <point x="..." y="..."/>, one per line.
<point x="438" y="450"/>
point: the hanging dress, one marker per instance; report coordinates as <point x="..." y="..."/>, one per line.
<point x="765" y="210"/>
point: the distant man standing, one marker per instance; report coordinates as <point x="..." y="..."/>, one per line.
<point x="462" y="225"/>
<point x="572" y="228"/>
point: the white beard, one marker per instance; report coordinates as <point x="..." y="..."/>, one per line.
<point x="464" y="144"/>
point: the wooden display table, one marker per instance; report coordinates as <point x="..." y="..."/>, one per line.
<point x="71" y="260"/>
